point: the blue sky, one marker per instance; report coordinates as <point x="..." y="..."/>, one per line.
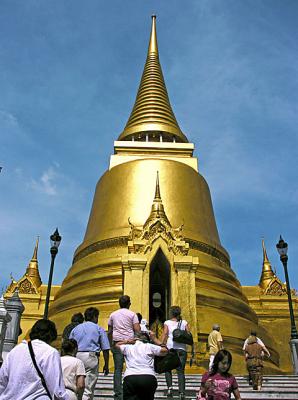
<point x="69" y="73"/>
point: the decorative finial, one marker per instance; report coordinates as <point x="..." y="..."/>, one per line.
<point x="157" y="189"/>
<point x="267" y="272"/>
<point x="34" y="257"/>
<point x="153" y="48"/>
<point x="265" y="257"/>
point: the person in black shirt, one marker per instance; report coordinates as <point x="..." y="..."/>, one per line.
<point x="76" y="319"/>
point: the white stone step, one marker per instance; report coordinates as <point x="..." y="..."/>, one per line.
<point x="284" y="387"/>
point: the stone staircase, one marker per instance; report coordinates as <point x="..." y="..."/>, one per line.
<point x="274" y="387"/>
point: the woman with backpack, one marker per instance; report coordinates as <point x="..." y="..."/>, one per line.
<point x="176" y="322"/>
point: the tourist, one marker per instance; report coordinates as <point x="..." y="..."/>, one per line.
<point x="139" y="378"/>
<point x="259" y="341"/>
<point x="140" y="317"/>
<point x="73" y="370"/>
<point x="76" y="319"/>
<point x="254" y="353"/>
<point x="218" y="384"/>
<point x="122" y="325"/>
<point x="91" y="339"/>
<point x="19" y="379"/>
<point x="215" y="343"/>
<point x="167" y="338"/>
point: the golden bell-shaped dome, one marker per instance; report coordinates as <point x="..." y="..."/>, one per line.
<point x="140" y="243"/>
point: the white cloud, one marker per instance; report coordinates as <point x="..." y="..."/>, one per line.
<point x="46" y="183"/>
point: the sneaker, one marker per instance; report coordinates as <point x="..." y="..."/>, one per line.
<point x="170" y="393"/>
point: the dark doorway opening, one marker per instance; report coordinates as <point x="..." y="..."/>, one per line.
<point x="159" y="283"/>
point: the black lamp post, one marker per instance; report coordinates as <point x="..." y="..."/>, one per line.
<point x="55" y="242"/>
<point x="282" y="248"/>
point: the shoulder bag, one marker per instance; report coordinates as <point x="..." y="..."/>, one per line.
<point x="182" y="336"/>
<point x="38" y="370"/>
<point x="167" y="363"/>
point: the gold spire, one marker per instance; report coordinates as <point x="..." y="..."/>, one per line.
<point x="32" y="269"/>
<point x="157" y="190"/>
<point x="34" y="257"/>
<point x="267" y="272"/>
<point x="157" y="209"/>
<point x="152" y="112"/>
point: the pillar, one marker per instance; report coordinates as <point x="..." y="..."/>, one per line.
<point x="5" y="318"/>
<point x="185" y="268"/>
<point x="15" y="309"/>
<point x="135" y="284"/>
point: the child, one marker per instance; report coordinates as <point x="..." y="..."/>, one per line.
<point x="218" y="384"/>
<point x="73" y="370"/>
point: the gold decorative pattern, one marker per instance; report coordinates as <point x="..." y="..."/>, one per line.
<point x="120" y="241"/>
<point x="141" y="239"/>
<point x="205" y="248"/>
<point x="276" y="288"/>
<point x="27" y="287"/>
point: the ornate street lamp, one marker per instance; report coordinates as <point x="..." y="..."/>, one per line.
<point x="282" y="248"/>
<point x="55" y="242"/>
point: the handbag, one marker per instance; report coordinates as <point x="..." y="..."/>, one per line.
<point x="182" y="336"/>
<point x="38" y="370"/>
<point x="167" y="363"/>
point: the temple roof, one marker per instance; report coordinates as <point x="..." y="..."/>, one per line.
<point x="152" y="112"/>
<point x="32" y="270"/>
<point x="30" y="282"/>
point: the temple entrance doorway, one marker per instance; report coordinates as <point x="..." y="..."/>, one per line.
<point x="159" y="292"/>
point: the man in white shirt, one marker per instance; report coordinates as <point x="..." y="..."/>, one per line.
<point x="122" y="325"/>
<point x="19" y="379"/>
<point x="215" y="343"/>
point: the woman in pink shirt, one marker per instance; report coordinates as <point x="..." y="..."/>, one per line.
<point x="218" y="384"/>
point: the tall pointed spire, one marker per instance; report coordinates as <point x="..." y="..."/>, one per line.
<point x="157" y="208"/>
<point x="152" y="113"/>
<point x="34" y="257"/>
<point x="157" y="190"/>
<point x="32" y="269"/>
<point x="265" y="257"/>
<point x="267" y="272"/>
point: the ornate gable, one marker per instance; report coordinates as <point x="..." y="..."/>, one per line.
<point x="142" y="238"/>
<point x="26" y="286"/>
<point x="276" y="288"/>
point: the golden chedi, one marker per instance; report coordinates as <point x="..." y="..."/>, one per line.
<point x="152" y="233"/>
